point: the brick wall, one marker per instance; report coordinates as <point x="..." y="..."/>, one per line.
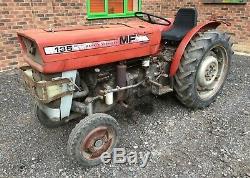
<point x="25" y="14"/>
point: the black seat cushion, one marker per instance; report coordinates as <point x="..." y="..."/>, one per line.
<point x="185" y="20"/>
<point x="175" y="34"/>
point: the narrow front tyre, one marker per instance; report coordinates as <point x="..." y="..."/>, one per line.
<point x="92" y="136"/>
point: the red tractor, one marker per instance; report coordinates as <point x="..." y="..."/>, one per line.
<point x="88" y="70"/>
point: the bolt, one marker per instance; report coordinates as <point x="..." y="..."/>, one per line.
<point x="98" y="143"/>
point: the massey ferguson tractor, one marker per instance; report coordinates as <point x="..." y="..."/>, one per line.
<point x="85" y="71"/>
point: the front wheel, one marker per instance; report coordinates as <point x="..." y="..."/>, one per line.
<point x="203" y="69"/>
<point x="92" y="136"/>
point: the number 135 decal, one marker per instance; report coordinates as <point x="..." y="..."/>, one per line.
<point x="63" y="49"/>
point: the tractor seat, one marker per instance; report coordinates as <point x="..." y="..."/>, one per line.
<point x="185" y="20"/>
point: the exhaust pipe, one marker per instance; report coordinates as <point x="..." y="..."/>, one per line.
<point x="121" y="72"/>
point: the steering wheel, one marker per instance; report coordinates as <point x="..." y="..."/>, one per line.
<point x="150" y="18"/>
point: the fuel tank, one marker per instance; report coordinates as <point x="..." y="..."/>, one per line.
<point x="59" y="50"/>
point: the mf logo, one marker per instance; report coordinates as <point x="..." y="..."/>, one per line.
<point x="127" y="39"/>
<point x="133" y="39"/>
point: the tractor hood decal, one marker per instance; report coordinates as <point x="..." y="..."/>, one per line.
<point x="129" y="39"/>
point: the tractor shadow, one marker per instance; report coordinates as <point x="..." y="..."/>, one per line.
<point x="145" y="106"/>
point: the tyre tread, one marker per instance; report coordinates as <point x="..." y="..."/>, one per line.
<point x="184" y="80"/>
<point x="76" y="134"/>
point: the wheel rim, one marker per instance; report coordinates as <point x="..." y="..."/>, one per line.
<point x="98" y="141"/>
<point x="212" y="72"/>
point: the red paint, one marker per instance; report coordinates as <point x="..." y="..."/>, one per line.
<point x="182" y="46"/>
<point x="93" y="57"/>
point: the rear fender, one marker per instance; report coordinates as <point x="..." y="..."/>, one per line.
<point x="185" y="41"/>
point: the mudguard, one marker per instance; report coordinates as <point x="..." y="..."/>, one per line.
<point x="185" y="41"/>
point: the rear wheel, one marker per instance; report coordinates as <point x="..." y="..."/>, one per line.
<point x="203" y="69"/>
<point x="92" y="136"/>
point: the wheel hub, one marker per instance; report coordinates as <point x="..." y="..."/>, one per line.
<point x="97" y="142"/>
<point x="208" y="71"/>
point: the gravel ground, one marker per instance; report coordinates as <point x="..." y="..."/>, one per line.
<point x="214" y="142"/>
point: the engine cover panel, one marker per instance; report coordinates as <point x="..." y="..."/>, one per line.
<point x="88" y="46"/>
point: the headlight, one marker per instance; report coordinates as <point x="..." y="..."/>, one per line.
<point x="32" y="50"/>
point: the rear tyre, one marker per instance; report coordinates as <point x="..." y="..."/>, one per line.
<point x="203" y="69"/>
<point x="92" y="136"/>
<point x="45" y="120"/>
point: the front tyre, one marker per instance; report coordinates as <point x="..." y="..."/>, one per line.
<point x="203" y="69"/>
<point x="92" y="136"/>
